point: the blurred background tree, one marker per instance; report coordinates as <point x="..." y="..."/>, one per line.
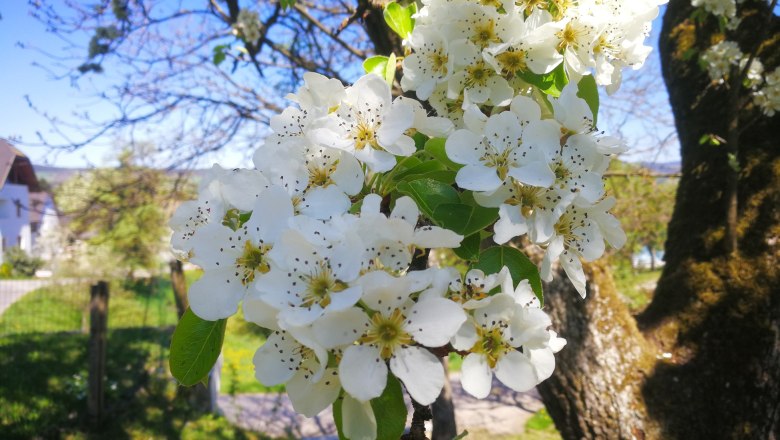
<point x="699" y="362"/>
<point x="122" y="210"/>
<point x="644" y="207"/>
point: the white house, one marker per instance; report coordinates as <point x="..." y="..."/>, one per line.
<point x="25" y="210"/>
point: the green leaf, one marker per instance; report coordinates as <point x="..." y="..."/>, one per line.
<point x="419" y="140"/>
<point x="376" y="64"/>
<point x="521" y="268"/>
<point x="390" y="70"/>
<point x="337" y="417"/>
<point x="464" y="219"/>
<point x="443" y="176"/>
<point x="219" y="54"/>
<point x="422" y="168"/>
<point x="435" y="146"/>
<point x="400" y="19"/>
<point x="428" y="194"/>
<point x="469" y="248"/>
<point x="195" y="347"/>
<point x="588" y="90"/>
<point x="461" y="436"/>
<point x="550" y="83"/>
<point x="382" y="66"/>
<point x="286" y="4"/>
<point x="390" y="411"/>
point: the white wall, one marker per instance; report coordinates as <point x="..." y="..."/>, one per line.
<point x="15" y="223"/>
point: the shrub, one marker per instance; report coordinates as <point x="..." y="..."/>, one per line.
<point x="22" y="264"/>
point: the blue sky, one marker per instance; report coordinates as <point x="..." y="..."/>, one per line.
<point x="21" y="78"/>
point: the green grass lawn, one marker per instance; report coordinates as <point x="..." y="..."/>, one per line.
<point x="65" y="308"/>
<point x="43" y="370"/>
<point x="633" y="286"/>
<point x="43" y="386"/>
<point x="43" y="367"/>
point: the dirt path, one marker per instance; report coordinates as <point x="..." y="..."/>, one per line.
<point x="503" y="412"/>
<point x="13" y="290"/>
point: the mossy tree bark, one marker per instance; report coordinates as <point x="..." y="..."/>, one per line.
<point x="703" y="360"/>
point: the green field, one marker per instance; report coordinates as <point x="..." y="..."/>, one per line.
<point x="43" y="367"/>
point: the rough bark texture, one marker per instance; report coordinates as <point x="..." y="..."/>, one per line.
<point x="179" y="286"/>
<point x="717" y="313"/>
<point x="596" y="389"/>
<point x="703" y="360"/>
<point x="443" y="410"/>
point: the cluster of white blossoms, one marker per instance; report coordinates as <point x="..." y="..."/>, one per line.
<point x="335" y="287"/>
<point x="723" y="56"/>
<point x="721" y="8"/>
<point x="478" y="52"/>
<point x="545" y="176"/>
<point x="324" y="241"/>
<point x="247" y="25"/>
<point x="768" y="96"/>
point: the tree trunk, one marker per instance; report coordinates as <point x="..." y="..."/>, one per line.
<point x="703" y="360"/>
<point x="179" y="286"/>
<point x="443" y="410"/>
<point x="596" y="390"/>
<point x="652" y="257"/>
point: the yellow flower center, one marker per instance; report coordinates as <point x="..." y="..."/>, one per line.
<point x="512" y="61"/>
<point x="319" y="287"/>
<point x="387" y="333"/>
<point x="251" y="261"/>
<point x="568" y="37"/>
<point x="499" y="161"/>
<point x="491" y="344"/>
<point x="526" y="197"/>
<point x="485" y="33"/>
<point x="469" y="292"/>
<point x="364" y="135"/>
<point x="320" y="175"/>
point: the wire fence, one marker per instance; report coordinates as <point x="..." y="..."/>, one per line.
<point x="62" y="305"/>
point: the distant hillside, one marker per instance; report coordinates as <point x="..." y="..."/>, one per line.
<point x="663" y="167"/>
<point x="56" y="175"/>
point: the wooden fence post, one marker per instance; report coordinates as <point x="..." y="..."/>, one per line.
<point x="179" y="285"/>
<point x="98" y="336"/>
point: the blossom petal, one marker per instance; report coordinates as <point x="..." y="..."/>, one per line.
<point x="476" y="377"/>
<point x="340" y="328"/>
<point x="434" y="321"/>
<point x="515" y="370"/>
<point x="436" y="237"/>
<point x="573" y="268"/>
<point x="543" y="361"/>
<point x="261" y="313"/>
<point x="464" y="147"/>
<point x="348" y="174"/>
<point x="510" y="224"/>
<point x="323" y="203"/>
<point x="421" y="372"/>
<point x="406" y="210"/>
<point x="363" y="373"/>
<point x="537" y="173"/>
<point x="357" y="419"/>
<point x="311" y="398"/>
<point x="215" y="296"/>
<point x="466" y="336"/>
<point x="277" y="360"/>
<point x="478" y="178"/>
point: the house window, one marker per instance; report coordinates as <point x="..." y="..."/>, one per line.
<point x="34" y="227"/>
<point x="19" y="241"/>
<point x="18" y="209"/>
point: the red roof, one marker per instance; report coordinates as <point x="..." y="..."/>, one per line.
<point x="16" y="168"/>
